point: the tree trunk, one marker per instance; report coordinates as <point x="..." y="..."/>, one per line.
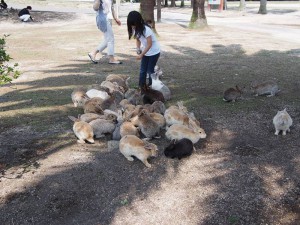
<point x="263" y="7"/>
<point x="172" y="3"/>
<point x="158" y="11"/>
<point x="182" y="3"/>
<point x="147" y="11"/>
<point x="242" y="5"/>
<point x="198" y="19"/>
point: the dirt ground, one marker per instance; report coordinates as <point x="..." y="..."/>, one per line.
<point x="240" y="174"/>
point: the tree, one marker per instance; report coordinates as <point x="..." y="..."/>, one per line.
<point x="262" y="7"/>
<point x="173" y="4"/>
<point x="242" y="5"/>
<point x="7" y="73"/>
<point x="147" y="11"/>
<point x="198" y="19"/>
<point x="158" y="11"/>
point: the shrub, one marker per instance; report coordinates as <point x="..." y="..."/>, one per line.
<point x="7" y="72"/>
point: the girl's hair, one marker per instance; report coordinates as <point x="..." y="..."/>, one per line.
<point x="134" y="18"/>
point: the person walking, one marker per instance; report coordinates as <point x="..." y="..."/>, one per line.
<point x="105" y="14"/>
<point x="3" y="5"/>
<point x="24" y="14"/>
<point x="148" y="48"/>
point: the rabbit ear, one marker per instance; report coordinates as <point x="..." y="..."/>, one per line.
<point x="284" y="110"/>
<point x="147" y="145"/>
<point x="72" y="118"/>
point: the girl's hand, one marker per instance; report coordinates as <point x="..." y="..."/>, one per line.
<point x="139" y="57"/>
<point x="118" y="22"/>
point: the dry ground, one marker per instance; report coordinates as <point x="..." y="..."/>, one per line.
<point x="240" y="174"/>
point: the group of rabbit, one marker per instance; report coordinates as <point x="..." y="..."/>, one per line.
<point x="134" y="117"/>
<point x="282" y="120"/>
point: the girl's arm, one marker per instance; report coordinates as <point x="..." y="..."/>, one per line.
<point x="138" y="44"/>
<point x="146" y="49"/>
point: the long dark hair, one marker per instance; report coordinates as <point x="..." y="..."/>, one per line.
<point x="134" y="18"/>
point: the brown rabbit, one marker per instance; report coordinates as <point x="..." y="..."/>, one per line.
<point x="79" y="97"/>
<point x="151" y="95"/>
<point x="148" y="126"/>
<point x="131" y="145"/>
<point x="82" y="130"/>
<point x="93" y="105"/>
<point x="233" y="94"/>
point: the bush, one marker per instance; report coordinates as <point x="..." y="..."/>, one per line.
<point x="7" y="73"/>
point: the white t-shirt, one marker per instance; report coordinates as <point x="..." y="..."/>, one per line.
<point x="155" y="48"/>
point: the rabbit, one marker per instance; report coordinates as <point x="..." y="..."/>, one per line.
<point x="174" y="115"/>
<point x="179" y="131"/>
<point x="134" y="97"/>
<point x="131" y="145"/>
<point x="102" y="126"/>
<point x="128" y="128"/>
<point x="233" y="94"/>
<point x="93" y="105"/>
<point x="269" y="88"/>
<point x="159" y="119"/>
<point x="79" y="97"/>
<point x="97" y="93"/>
<point x="112" y="86"/>
<point x="116" y="134"/>
<point x="159" y="107"/>
<point x="180" y="149"/>
<point x="150" y="96"/>
<point x="124" y="102"/>
<point x="82" y="130"/>
<point x="159" y="86"/>
<point x="119" y="96"/>
<point x="110" y="103"/>
<point x="158" y="71"/>
<point x="88" y="117"/>
<point x="121" y="81"/>
<point x="147" y="125"/>
<point x="282" y="121"/>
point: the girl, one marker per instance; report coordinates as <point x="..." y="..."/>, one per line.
<point x="148" y="48"/>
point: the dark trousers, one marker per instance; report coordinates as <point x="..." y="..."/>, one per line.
<point x="147" y="66"/>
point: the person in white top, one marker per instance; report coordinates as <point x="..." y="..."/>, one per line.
<point x="148" y="48"/>
<point x="105" y="14"/>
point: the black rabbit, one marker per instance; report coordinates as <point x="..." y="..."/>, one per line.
<point x="181" y="149"/>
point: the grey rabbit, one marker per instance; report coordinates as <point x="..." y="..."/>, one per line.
<point x="181" y="149"/>
<point x="233" y="94"/>
<point x="147" y="125"/>
<point x="269" y="88"/>
<point x="102" y="126"/>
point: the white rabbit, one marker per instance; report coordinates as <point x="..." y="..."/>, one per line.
<point x="82" y="130"/>
<point x="178" y="131"/>
<point x="131" y="145"/>
<point x="97" y="93"/>
<point x="159" y="86"/>
<point x="282" y="121"/>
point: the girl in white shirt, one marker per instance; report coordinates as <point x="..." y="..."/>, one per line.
<point x="148" y="48"/>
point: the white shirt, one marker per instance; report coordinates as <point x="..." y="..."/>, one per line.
<point x="155" y="48"/>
